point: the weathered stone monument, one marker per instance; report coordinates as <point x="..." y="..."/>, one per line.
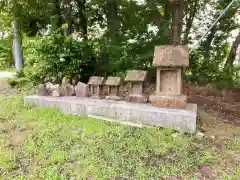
<point x="113" y="84"/>
<point x="56" y="90"/>
<point x="169" y="60"/>
<point x="136" y="78"/>
<point x="42" y="90"/>
<point x="67" y="90"/>
<point x="168" y="109"/>
<point x="95" y="84"/>
<point x="81" y="90"/>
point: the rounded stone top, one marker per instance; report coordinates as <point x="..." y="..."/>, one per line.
<point x="96" y="80"/>
<point x="136" y="75"/>
<point x="171" y="56"/>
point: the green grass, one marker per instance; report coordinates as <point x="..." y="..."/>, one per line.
<point x="8" y="69"/>
<point x="39" y="143"/>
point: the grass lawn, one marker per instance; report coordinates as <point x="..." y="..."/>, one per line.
<point x="7" y="69"/>
<point x="37" y="143"/>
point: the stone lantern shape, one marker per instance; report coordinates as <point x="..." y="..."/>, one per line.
<point x="113" y="84"/>
<point x="136" y="78"/>
<point x="95" y="84"/>
<point x="170" y="61"/>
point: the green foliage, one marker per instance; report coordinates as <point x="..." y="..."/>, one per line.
<point x="6" y="59"/>
<point x="117" y="37"/>
<point x="205" y="71"/>
<point x="56" y="56"/>
<point x="17" y="82"/>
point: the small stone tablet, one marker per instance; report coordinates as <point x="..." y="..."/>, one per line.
<point x="42" y="90"/>
<point x="81" y="90"/>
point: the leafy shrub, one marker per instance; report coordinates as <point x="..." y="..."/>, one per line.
<point x="17" y="82"/>
<point x="6" y="59"/>
<point x="57" y="56"/>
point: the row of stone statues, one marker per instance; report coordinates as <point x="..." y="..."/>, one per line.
<point x="169" y="61"/>
<point x="94" y="87"/>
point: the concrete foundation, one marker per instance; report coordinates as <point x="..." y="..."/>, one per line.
<point x="125" y="112"/>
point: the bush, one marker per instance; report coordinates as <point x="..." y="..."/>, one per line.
<point x="17" y="82"/>
<point x="6" y="59"/>
<point x="57" y="56"/>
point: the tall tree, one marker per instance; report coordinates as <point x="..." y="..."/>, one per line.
<point x="17" y="38"/>
<point x="192" y="8"/>
<point x="113" y="20"/>
<point x="82" y="26"/>
<point x="56" y="19"/>
<point x="233" y="53"/>
<point x="68" y="16"/>
<point x="177" y="20"/>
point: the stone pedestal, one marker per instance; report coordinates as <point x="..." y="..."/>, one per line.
<point x="169" y="61"/>
<point x="113" y="84"/>
<point x="136" y="78"/>
<point x="137" y="113"/>
<point x="95" y="84"/>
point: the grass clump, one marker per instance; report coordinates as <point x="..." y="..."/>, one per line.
<point x="59" y="146"/>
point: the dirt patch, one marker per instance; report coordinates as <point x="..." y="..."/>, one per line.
<point x="5" y="88"/>
<point x="225" y="102"/>
<point x="206" y="172"/>
<point x="15" y="134"/>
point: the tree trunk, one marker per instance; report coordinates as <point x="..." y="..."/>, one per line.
<point x="233" y="53"/>
<point x="17" y="40"/>
<point x="177" y="20"/>
<point x="207" y="44"/>
<point x="83" y="24"/>
<point x="32" y="28"/>
<point x="56" y="20"/>
<point x="189" y="19"/>
<point x="113" y="21"/>
<point x="68" y="17"/>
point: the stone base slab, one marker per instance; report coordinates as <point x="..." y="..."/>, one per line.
<point x="115" y="98"/>
<point x="125" y="112"/>
<point x="96" y="97"/>
<point x="136" y="98"/>
<point x="168" y="101"/>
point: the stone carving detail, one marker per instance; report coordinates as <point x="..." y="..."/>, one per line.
<point x="81" y="90"/>
<point x="169" y="61"/>
<point x="95" y="84"/>
<point x="136" y="78"/>
<point x="113" y="84"/>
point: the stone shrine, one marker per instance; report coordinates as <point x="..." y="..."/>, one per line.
<point x="169" y="60"/>
<point x="113" y="84"/>
<point x="95" y="84"/>
<point x="136" y="78"/>
<point x="168" y="106"/>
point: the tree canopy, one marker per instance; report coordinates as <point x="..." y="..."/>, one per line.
<point x="123" y="33"/>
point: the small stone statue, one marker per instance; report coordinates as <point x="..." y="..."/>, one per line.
<point x="42" y="90"/>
